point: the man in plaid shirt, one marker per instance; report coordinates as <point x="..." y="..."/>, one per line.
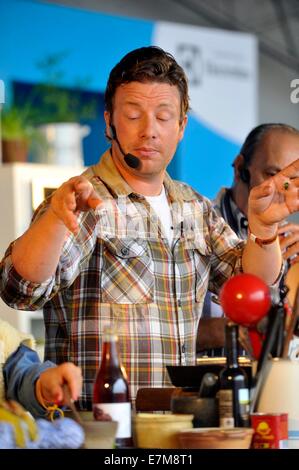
<point x="125" y="244"/>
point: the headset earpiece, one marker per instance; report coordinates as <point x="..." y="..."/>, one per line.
<point x="244" y="175"/>
<point x="112" y="132"/>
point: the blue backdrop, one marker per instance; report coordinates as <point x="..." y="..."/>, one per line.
<point x="92" y="43"/>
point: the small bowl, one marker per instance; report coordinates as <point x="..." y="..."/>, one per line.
<point x="216" y="438"/>
<point x="98" y="434"/>
<point x="159" y="431"/>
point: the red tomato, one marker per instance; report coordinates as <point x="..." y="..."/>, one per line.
<point x="245" y="299"/>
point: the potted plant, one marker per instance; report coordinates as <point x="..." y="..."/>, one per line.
<point x="17" y="135"/>
<point x="61" y="111"/>
<point x="45" y="117"/>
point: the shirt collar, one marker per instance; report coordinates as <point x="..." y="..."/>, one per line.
<point x="110" y="175"/>
<point x="226" y="206"/>
<point x="240" y="218"/>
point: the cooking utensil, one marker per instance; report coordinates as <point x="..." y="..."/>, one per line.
<point x="70" y="403"/>
<point x="262" y="369"/>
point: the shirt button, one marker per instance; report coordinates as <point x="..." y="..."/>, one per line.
<point x="183" y="349"/>
<point x="124" y="251"/>
<point x="179" y="302"/>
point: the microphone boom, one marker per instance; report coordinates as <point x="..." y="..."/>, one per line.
<point x="131" y="160"/>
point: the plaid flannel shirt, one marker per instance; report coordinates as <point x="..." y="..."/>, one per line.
<point x="120" y="269"/>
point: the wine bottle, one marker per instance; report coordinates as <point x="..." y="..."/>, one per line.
<point x="111" y="397"/>
<point x="233" y="394"/>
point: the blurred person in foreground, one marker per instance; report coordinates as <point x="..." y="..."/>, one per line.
<point x="35" y="384"/>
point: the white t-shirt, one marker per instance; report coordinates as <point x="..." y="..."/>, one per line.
<point x="161" y="207"/>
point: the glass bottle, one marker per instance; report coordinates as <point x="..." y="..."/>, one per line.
<point x="233" y="394"/>
<point x="111" y="397"/>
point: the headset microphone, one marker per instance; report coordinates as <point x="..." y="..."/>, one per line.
<point x="131" y="160"/>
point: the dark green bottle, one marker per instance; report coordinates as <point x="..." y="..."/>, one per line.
<point x="233" y="394"/>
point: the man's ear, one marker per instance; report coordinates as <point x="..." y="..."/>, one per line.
<point x="241" y="173"/>
<point x="183" y="127"/>
<point x="108" y="131"/>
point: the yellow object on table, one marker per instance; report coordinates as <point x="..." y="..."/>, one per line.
<point x="159" y="431"/>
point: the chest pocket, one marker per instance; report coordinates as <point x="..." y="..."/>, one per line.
<point x="127" y="277"/>
<point x="201" y="258"/>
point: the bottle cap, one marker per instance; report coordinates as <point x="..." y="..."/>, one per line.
<point x="109" y="332"/>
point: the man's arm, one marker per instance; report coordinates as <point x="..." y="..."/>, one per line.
<point x="265" y="262"/>
<point x="269" y="204"/>
<point x="35" y="254"/>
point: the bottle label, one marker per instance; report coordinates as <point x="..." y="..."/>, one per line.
<point x="120" y="412"/>
<point x="226" y="415"/>
<point x="244" y="405"/>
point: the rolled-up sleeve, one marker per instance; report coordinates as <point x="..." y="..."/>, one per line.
<point x="21" y="371"/>
<point x="22" y="294"/>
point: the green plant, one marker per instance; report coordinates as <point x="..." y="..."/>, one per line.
<point x="18" y="135"/>
<point x="15" y="125"/>
<point x="46" y="102"/>
<point x="55" y="102"/>
<point x="17" y="130"/>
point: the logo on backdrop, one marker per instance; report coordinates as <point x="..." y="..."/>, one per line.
<point x="294" y="96"/>
<point x="190" y="58"/>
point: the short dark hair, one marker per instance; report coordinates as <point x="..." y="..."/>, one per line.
<point x="257" y="134"/>
<point x="148" y="64"/>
